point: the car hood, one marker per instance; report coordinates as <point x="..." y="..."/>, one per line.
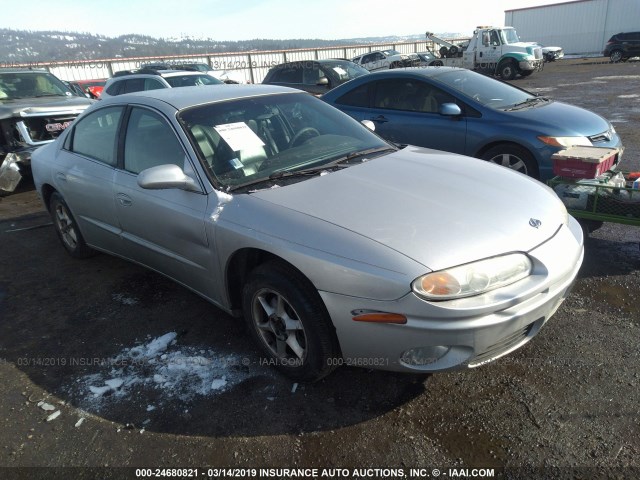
<point x="436" y="208"/>
<point x="554" y="117"/>
<point x="43" y="106"/>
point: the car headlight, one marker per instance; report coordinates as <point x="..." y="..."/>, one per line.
<point x="473" y="278"/>
<point x="566" y="141"/>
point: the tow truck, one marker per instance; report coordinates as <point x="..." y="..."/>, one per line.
<point x="494" y="49"/>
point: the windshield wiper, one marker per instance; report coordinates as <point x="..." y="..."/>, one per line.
<point x="526" y="103"/>
<point x="338" y="163"/>
<point x="50" y="95"/>
<point x="361" y="153"/>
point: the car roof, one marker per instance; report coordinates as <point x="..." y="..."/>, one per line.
<point x="184" y="97"/>
<point x="412" y="71"/>
<point x="320" y="60"/>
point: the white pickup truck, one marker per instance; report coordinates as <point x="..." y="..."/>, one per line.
<point x="496" y="49"/>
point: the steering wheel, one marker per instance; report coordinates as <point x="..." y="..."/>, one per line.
<point x="301" y="133"/>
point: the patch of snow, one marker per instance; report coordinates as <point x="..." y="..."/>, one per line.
<point x="182" y="373"/>
<point x="54" y="415"/>
<point x="79" y="422"/>
<point x="123" y="299"/>
<point x="47" y="407"/>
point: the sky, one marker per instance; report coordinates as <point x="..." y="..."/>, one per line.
<point x="267" y="19"/>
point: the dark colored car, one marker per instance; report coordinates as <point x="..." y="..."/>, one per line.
<point x="623" y="46"/>
<point x="461" y="111"/>
<point x="35" y="107"/>
<point x="314" y="76"/>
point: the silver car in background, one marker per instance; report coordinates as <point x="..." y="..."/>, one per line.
<point x="335" y="246"/>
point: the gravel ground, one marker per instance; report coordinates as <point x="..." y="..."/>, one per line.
<point x="564" y="406"/>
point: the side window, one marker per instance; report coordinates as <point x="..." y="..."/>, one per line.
<point x="133" y="85"/>
<point x="367" y="58"/>
<point x="289" y="75"/>
<point x="150" y="142"/>
<point x="94" y="136"/>
<point x="409" y="95"/>
<point x="311" y="74"/>
<point x="114" y="88"/>
<point x="152" y="84"/>
<point x="358" y="97"/>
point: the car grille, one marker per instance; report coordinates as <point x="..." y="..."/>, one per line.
<point x="35" y="130"/>
<point x="537" y="53"/>
<point x="602" y="137"/>
<point x="502" y="347"/>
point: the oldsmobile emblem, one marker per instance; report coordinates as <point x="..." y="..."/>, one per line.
<point x="534" y="222"/>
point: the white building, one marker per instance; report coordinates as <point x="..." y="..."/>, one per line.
<point x="579" y="27"/>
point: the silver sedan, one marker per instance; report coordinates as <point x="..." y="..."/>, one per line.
<point x="336" y="247"/>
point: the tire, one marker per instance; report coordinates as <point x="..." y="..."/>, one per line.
<point x="514" y="157"/>
<point x="67" y="228"/>
<point x="289" y="321"/>
<point x="395" y="65"/>
<point x="444" y="52"/>
<point x="436" y="63"/>
<point x="453" y="50"/>
<point x="616" y="56"/>
<point x="507" y="69"/>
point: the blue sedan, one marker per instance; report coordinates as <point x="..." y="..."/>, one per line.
<point x="461" y="111"/>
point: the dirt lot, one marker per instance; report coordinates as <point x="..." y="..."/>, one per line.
<point x="566" y="405"/>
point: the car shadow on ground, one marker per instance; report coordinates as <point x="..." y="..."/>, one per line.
<point x="77" y="326"/>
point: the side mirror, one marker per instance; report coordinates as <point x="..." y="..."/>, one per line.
<point x="450" y="110"/>
<point x="369" y="124"/>
<point x="166" y="176"/>
<point x="323" y="81"/>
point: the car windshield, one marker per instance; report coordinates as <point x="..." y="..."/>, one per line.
<point x="346" y="70"/>
<point x="31" y="84"/>
<point x="509" y="35"/>
<point x="247" y="141"/>
<point x="192" y="80"/>
<point x="482" y="89"/>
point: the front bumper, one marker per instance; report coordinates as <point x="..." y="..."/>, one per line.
<point x="528" y="65"/>
<point x="465" y="333"/>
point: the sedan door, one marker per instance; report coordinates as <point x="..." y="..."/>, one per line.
<point x="406" y="111"/>
<point x="84" y="174"/>
<point x="162" y="229"/>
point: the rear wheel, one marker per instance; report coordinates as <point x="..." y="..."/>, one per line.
<point x="67" y="228"/>
<point x="616" y="56"/>
<point x="513" y="156"/>
<point x="507" y="69"/>
<point x="289" y="321"/>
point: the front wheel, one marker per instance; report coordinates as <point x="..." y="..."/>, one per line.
<point x="513" y="156"/>
<point x="507" y="69"/>
<point x="67" y="228"/>
<point x="287" y="318"/>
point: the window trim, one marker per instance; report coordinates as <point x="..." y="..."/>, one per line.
<point x="68" y="144"/>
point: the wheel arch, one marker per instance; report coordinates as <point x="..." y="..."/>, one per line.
<point x="241" y="264"/>
<point x="47" y="191"/>
<point x="509" y="143"/>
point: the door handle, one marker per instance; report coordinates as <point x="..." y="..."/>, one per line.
<point x="380" y="119"/>
<point x="124" y="200"/>
<point x="61" y="176"/>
